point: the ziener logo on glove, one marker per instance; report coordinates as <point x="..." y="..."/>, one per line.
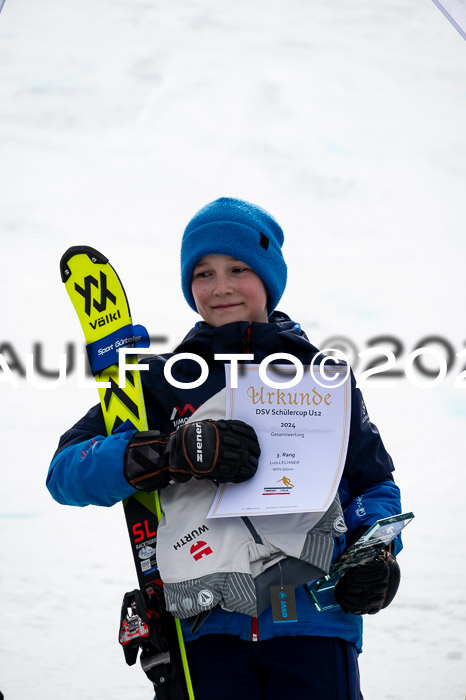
<point x="199" y="442"/>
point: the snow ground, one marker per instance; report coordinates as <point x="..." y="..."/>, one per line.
<point x="118" y="120"/>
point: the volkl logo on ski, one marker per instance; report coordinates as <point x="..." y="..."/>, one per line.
<point x="86" y="292"/>
<point x="108" y="318"/>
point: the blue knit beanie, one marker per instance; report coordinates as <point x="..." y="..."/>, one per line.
<point x="240" y="229"/>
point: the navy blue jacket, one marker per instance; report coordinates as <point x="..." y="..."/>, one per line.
<point x="88" y="465"/>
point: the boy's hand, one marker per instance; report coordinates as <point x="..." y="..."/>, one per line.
<point x="224" y="450"/>
<point x="368" y="588"/>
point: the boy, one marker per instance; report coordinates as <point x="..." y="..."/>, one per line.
<point x="233" y="275"/>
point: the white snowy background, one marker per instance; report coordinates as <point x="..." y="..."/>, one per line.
<point x="121" y="118"/>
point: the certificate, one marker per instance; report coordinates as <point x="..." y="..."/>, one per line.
<point x="303" y="433"/>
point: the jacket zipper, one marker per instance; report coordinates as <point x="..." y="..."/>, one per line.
<point x="254" y="629"/>
<point x="246" y="341"/>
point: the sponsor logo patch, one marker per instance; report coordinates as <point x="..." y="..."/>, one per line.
<point x="205" y="598"/>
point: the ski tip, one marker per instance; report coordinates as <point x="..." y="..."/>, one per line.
<point x="92" y="253"/>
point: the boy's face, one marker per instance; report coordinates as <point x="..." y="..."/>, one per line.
<point x="227" y="290"/>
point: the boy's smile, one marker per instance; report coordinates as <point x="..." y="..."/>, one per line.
<point x="227" y="290"/>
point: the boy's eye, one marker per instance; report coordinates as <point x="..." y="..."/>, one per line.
<point x="238" y="270"/>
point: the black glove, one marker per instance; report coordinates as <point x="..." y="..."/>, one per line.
<point x="146" y="462"/>
<point x="223" y="450"/>
<point x="368" y="588"/>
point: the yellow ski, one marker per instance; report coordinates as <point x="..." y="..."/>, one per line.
<point x="100" y="302"/>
